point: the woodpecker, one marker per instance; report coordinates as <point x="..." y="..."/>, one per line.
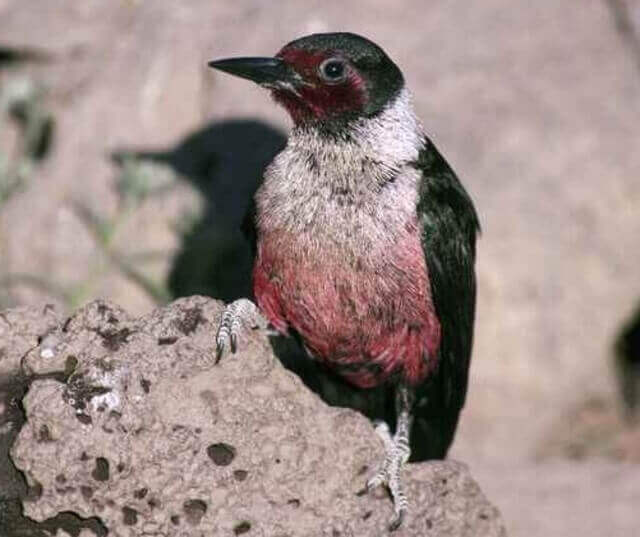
<point x="365" y="242"/>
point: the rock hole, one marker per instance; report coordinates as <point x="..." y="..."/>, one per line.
<point x="175" y="520"/>
<point x="85" y="419"/>
<point x="101" y="471"/>
<point x="86" y="492"/>
<point x="240" y="475"/>
<point x="221" y="454"/>
<point x="140" y="493"/>
<point x="145" y="385"/>
<point x="194" y="510"/>
<point x="242" y="527"/>
<point x="129" y="516"/>
<point x="294" y="502"/>
<point x="367" y="515"/>
<point x="44" y="435"/>
<point x="71" y="523"/>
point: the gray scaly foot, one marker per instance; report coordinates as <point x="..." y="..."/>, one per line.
<point x="239" y="314"/>
<point x="397" y="454"/>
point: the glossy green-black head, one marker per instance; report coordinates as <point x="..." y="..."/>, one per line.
<point x="324" y="77"/>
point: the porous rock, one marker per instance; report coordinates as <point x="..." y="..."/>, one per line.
<point x="153" y="437"/>
<point x="21" y="330"/>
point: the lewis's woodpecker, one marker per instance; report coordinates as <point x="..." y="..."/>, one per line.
<point x="365" y="241"/>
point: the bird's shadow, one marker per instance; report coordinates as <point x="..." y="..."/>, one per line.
<point x="224" y="161"/>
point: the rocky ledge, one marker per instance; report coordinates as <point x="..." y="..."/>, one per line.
<point x="133" y="429"/>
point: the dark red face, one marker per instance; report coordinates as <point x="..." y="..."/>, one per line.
<point x="329" y="86"/>
<point x="327" y="79"/>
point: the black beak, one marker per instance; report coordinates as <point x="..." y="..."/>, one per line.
<point x="270" y="72"/>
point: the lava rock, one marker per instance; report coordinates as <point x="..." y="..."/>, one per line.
<point x="171" y="442"/>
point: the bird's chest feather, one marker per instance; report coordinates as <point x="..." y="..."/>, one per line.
<point x="345" y="269"/>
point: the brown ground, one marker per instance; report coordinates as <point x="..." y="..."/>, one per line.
<point x="535" y="104"/>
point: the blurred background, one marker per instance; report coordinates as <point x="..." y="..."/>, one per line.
<point x="126" y="166"/>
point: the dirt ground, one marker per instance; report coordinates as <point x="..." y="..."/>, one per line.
<point x="135" y="189"/>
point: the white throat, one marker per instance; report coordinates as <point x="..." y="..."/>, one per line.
<point x="326" y="186"/>
<point x="392" y="137"/>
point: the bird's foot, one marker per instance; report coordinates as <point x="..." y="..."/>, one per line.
<point x="239" y="314"/>
<point x="390" y="473"/>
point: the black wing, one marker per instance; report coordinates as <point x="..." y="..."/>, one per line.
<point x="449" y="226"/>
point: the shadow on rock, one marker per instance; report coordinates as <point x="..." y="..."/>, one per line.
<point x="224" y="161"/>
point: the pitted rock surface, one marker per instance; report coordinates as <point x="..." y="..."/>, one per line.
<point x="21" y="330"/>
<point x="150" y="435"/>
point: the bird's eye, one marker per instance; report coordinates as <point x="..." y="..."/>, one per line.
<point x="333" y="70"/>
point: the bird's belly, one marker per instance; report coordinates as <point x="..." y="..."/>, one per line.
<point x="370" y="317"/>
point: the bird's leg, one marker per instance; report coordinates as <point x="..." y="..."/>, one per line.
<point x="237" y="315"/>
<point x="397" y="454"/>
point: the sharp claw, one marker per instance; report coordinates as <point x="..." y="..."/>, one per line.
<point x="373" y="483"/>
<point x="237" y="316"/>
<point x="233" y="342"/>
<point x="396" y="521"/>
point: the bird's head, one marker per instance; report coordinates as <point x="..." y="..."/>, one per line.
<point x="324" y="79"/>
